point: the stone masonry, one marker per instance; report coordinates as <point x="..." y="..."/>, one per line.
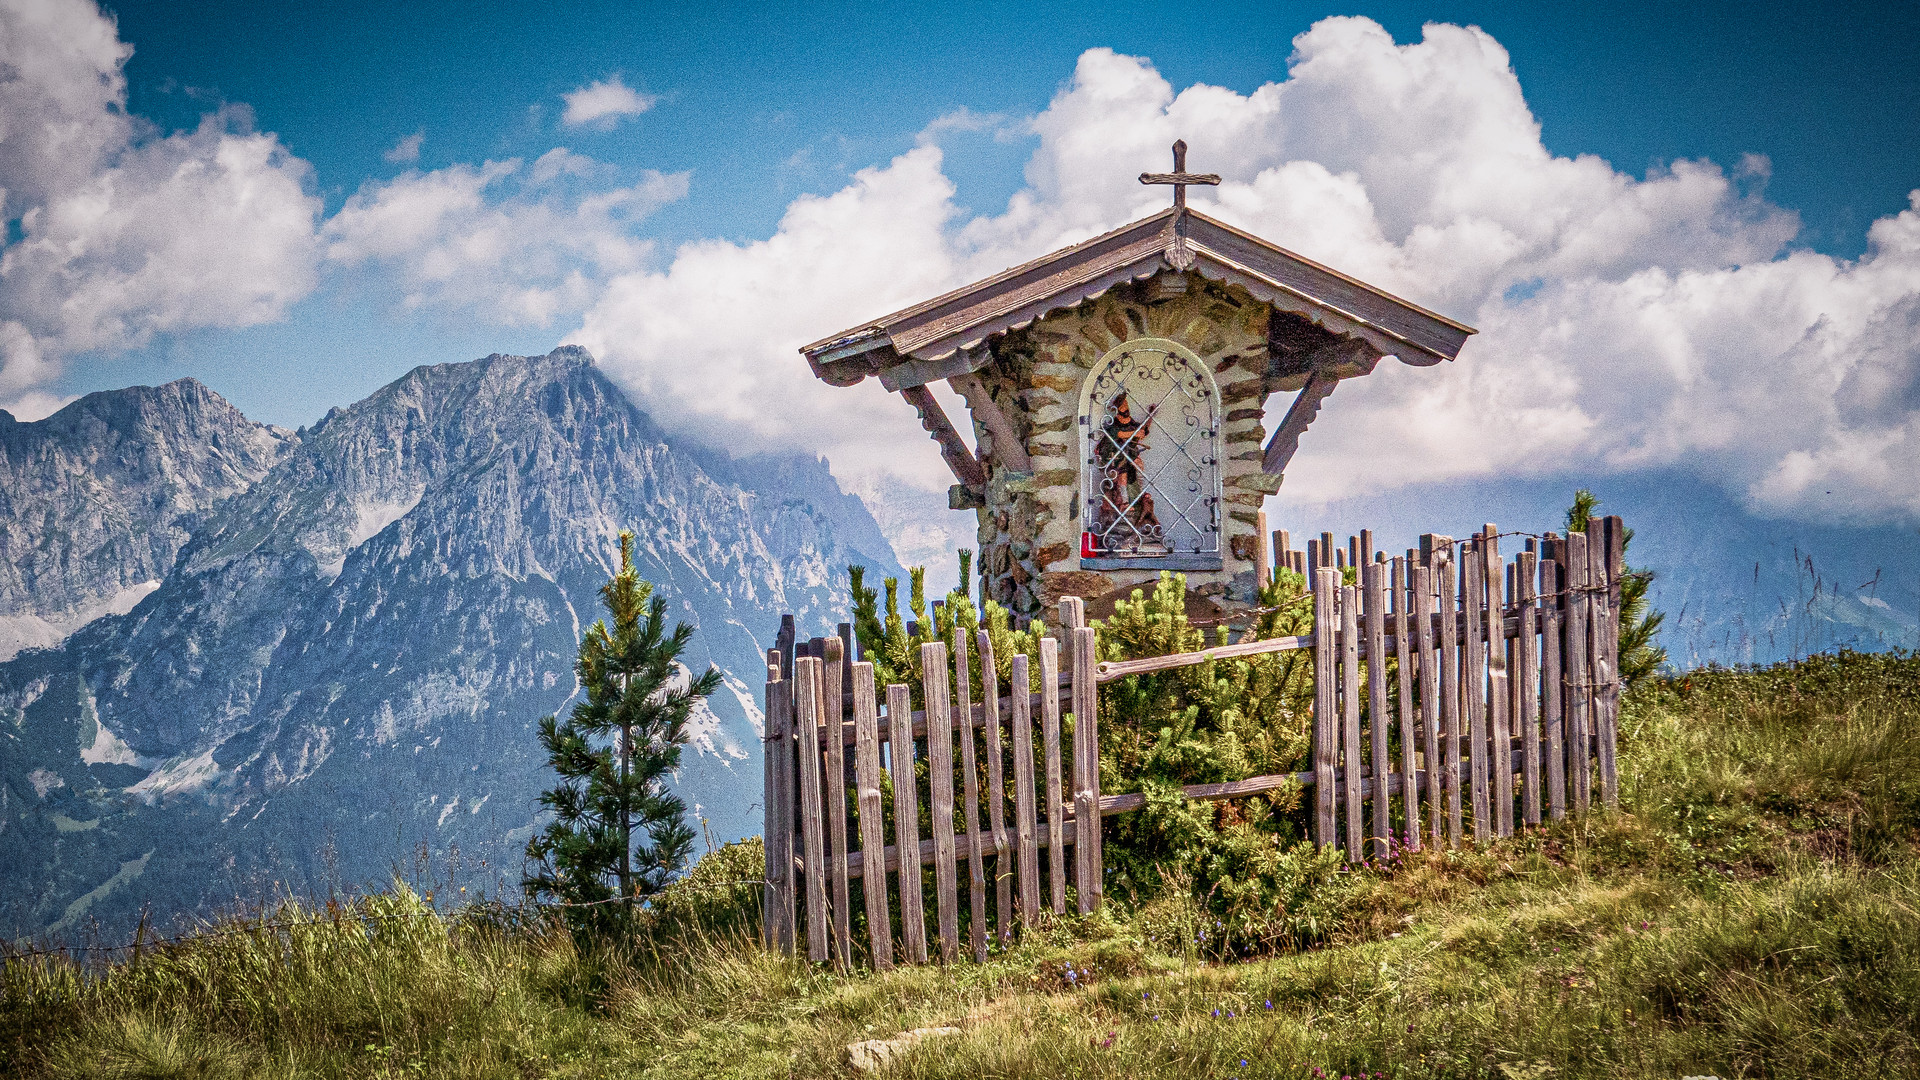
<point x="1029" y="533"/>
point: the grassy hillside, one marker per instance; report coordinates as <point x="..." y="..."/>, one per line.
<point x="1754" y="910"/>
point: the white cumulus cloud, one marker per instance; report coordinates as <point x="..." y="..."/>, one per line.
<point x="1626" y="321"/>
<point x="123" y="233"/>
<point x="406" y="151"/>
<point x="708" y="343"/>
<point x="512" y="242"/>
<point x="604" y="103"/>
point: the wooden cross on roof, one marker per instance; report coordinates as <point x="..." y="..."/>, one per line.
<point x="1180" y="177"/>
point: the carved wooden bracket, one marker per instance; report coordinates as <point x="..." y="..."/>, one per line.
<point x="1340" y="359"/>
<point x="933" y="418"/>
<point x="1007" y="448"/>
<point x="1306" y="406"/>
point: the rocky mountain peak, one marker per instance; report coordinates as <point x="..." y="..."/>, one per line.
<point x="97" y="500"/>
<point x="352" y="653"/>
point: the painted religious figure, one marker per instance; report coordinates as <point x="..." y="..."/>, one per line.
<point x="1125" y="518"/>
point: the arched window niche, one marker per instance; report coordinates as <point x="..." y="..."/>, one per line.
<point x="1150" y="488"/>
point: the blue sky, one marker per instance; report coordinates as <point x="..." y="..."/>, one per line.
<point x="1829" y="92"/>
<point x="1674" y="276"/>
<point x="763" y="102"/>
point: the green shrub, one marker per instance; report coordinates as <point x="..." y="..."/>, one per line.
<point x="1246" y="861"/>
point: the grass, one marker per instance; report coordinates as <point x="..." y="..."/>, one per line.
<point x="1753" y="911"/>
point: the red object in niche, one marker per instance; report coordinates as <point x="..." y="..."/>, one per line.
<point x="1087" y="548"/>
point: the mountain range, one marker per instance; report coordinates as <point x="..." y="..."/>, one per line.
<point x="237" y="659"/>
<point x="251" y="659"/>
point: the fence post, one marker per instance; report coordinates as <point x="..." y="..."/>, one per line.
<point x="873" y="836"/>
<point x="1086" y="770"/>
<point x="1003" y="872"/>
<point x="1527" y="684"/>
<point x="1423" y="604"/>
<point x="1578" y="672"/>
<point x="1499" y="722"/>
<point x="1607" y="552"/>
<point x="1473" y="684"/>
<point x="1352" y="763"/>
<point x="1050" y="739"/>
<point x="1073" y="616"/>
<point x="1019" y="695"/>
<point x="1452" y="701"/>
<point x="834" y="676"/>
<point x="906" y="822"/>
<point x="1373" y="579"/>
<point x="1325" y="723"/>
<point x="1401" y="588"/>
<point x="970" y="792"/>
<point x="1552" y="686"/>
<point x="776" y="802"/>
<point x="946" y="898"/>
<point x="806" y="719"/>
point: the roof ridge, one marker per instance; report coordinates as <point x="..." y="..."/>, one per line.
<point x="918" y="344"/>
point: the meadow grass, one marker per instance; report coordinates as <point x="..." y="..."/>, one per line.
<point x="1753" y="910"/>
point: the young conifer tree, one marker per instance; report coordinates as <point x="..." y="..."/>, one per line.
<point x="617" y="832"/>
<point x="1640" y="658"/>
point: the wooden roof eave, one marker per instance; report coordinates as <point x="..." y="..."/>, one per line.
<point x="1345" y="324"/>
<point x="941" y="338"/>
<point x="1375" y="310"/>
<point x="960" y="353"/>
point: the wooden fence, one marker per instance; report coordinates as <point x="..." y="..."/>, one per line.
<point x="1452" y="690"/>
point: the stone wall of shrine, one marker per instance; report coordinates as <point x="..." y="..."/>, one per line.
<point x="1031" y="523"/>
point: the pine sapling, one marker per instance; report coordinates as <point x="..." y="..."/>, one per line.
<point x="618" y="833"/>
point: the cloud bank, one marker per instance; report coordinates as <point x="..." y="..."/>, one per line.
<point x="121" y="231"/>
<point x="516" y="244"/>
<point x="1626" y="322"/>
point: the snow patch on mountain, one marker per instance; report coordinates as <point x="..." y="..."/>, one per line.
<point x="44" y="780"/>
<point x="749" y="703"/>
<point x="22" y="631"/>
<point x="109" y="749"/>
<point x="371" y="517"/>
<point x="177" y="777"/>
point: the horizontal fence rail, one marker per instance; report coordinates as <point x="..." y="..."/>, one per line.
<point x="1456" y="695"/>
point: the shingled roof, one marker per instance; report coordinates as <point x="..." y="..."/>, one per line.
<point x="942" y="337"/>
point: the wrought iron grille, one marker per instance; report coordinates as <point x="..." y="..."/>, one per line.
<point x="1152" y="470"/>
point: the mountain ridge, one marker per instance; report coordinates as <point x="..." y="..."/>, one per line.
<point x="97" y="499"/>
<point x="349" y="655"/>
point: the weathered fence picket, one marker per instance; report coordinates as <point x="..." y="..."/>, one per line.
<point x="1023" y="791"/>
<point x="806" y="704"/>
<point x="1050" y="748"/>
<point x="873" y="836"/>
<point x="1526" y="684"/>
<point x="1497" y="680"/>
<point x="1473" y="684"/>
<point x="1450" y="699"/>
<point x="1403" y="700"/>
<point x="970" y="792"/>
<point x="1428" y="659"/>
<point x="1373" y="576"/>
<point x="832" y="693"/>
<point x="1350" y="759"/>
<point x="906" y="823"/>
<point x="1003" y="872"/>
